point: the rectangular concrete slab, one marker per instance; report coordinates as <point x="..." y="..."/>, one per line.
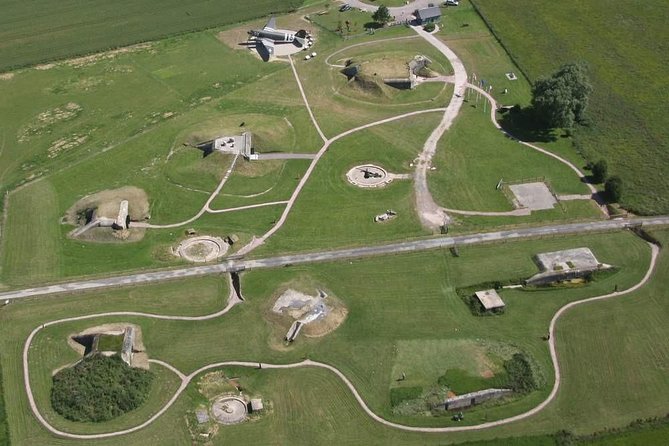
<point x="534" y="196"/>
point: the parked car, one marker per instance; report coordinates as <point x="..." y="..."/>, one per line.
<point x="345" y="8"/>
<point x="451" y="3"/>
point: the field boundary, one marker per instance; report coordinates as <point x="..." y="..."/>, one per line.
<point x="501" y="43"/>
<point x="157" y="37"/>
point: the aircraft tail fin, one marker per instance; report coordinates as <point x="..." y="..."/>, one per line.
<point x="301" y="37"/>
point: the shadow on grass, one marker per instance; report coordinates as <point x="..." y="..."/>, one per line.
<point x="522" y="124"/>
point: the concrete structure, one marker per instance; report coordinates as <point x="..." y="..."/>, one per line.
<point x="490" y="299"/>
<point x="473" y="398"/>
<point x="416" y="68"/>
<point x="535" y="196"/>
<point x="204" y="248"/>
<point x="368" y="175"/>
<point x="565" y="265"/>
<point x="128" y="342"/>
<point x="428" y="15"/>
<point x="123" y="219"/>
<point x="229" y="410"/>
<point x="256" y="405"/>
<point x="236" y="144"/>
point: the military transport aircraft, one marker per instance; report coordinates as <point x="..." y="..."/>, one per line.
<point x="270" y="36"/>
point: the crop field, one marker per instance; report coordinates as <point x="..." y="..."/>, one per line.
<point x="376" y="326"/>
<point x="628" y="106"/>
<point x="45" y="30"/>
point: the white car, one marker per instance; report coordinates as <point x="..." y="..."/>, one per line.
<point x="451" y="3"/>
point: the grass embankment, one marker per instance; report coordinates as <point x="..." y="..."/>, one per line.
<point x="385" y="310"/>
<point x="42" y="30"/>
<point x="624" y="48"/>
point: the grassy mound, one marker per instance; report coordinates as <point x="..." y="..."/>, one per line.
<point x="99" y="388"/>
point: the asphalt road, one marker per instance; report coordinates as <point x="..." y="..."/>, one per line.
<point x="340" y="254"/>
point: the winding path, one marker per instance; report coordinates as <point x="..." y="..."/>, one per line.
<point x="233" y="300"/>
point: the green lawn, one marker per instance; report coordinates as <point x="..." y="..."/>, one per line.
<point x="623" y="46"/>
<point x="379" y="294"/>
<point x="4" y="431"/>
<point x="473" y="156"/>
<point x="331" y="212"/>
<point x="45" y="30"/>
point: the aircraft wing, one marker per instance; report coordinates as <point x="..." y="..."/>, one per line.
<point x="269" y="44"/>
<point x="271" y="25"/>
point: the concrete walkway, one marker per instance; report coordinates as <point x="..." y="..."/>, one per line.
<point x="431" y="215"/>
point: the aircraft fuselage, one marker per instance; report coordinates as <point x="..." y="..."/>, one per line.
<point x="275" y="36"/>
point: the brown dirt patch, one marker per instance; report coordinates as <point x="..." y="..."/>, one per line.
<point x="487" y="374"/>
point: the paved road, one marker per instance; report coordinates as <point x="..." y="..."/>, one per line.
<point x="233" y="300"/>
<point x="326" y="256"/>
<point x="286" y="156"/>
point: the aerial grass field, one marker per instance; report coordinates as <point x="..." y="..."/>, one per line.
<point x="624" y="49"/>
<point x="378" y="296"/>
<point x="45" y="30"/>
<point x="473" y="156"/>
<point x="332" y="212"/>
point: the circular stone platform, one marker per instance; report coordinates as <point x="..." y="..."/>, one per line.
<point x="229" y="410"/>
<point x="368" y="175"/>
<point x="202" y="249"/>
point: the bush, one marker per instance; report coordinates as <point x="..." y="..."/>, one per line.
<point x="614" y="188"/>
<point x="599" y="171"/>
<point x="521" y="378"/>
<point x="99" y="388"/>
<point x="429" y="27"/>
<point x="400" y="394"/>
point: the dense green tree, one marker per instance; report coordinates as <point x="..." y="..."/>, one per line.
<point x="99" y="388"/>
<point x="382" y="15"/>
<point x="614" y="188"/>
<point x="561" y="100"/>
<point x="600" y="171"/>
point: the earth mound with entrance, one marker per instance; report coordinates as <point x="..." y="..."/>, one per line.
<point x="105" y="205"/>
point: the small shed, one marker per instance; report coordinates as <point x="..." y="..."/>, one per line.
<point x="490" y="300"/>
<point x="428" y="15"/>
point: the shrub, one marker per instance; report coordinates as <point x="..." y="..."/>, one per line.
<point x="521" y="378"/>
<point x="429" y="27"/>
<point x="400" y="394"/>
<point x="614" y="188"/>
<point x="599" y="171"/>
<point x="99" y="388"/>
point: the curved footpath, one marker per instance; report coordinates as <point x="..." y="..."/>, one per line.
<point x="233" y="300"/>
<point x="431" y="215"/>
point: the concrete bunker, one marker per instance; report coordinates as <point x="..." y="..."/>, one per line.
<point x="202" y="249"/>
<point x="229" y="410"/>
<point x="121" y="339"/>
<point x="233" y="144"/>
<point x="314" y="315"/>
<point x="569" y="264"/>
<point x="109" y="215"/>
